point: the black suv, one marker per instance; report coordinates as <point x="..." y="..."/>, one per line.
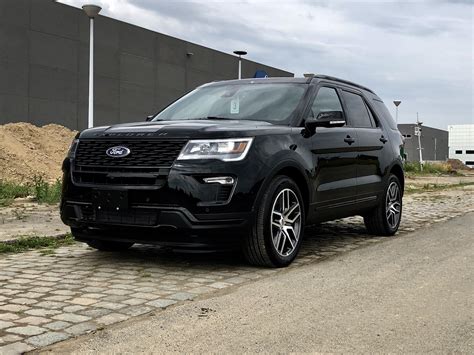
<point x="242" y="163"/>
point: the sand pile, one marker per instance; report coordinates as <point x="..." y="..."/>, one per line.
<point x="27" y="150"/>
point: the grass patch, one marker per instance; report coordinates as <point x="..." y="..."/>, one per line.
<point x="414" y="168"/>
<point x="29" y="243"/>
<point x="41" y="190"/>
<point x="436" y="187"/>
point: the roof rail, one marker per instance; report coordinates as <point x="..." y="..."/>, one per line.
<point x="327" y="77"/>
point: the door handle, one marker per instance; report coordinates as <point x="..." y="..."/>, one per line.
<point x="349" y="140"/>
<point x="383" y="139"/>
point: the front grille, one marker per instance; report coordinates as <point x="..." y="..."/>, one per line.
<point x="147" y="164"/>
<point x="159" y="153"/>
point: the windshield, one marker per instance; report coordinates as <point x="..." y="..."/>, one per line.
<point x="275" y="103"/>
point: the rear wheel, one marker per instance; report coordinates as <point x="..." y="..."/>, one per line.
<point x="278" y="229"/>
<point x="385" y="218"/>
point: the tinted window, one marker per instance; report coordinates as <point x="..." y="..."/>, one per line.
<point x="356" y="110"/>
<point x="458" y="151"/>
<point x="326" y="100"/>
<point x="382" y="111"/>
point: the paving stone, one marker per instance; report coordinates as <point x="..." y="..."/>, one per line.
<point x="71" y="317"/>
<point x="94" y="295"/>
<point x="9" y="316"/>
<point x="9" y="338"/>
<point x="74" y="309"/>
<point x="83" y="301"/>
<point x="109" y="305"/>
<point x="26" y="330"/>
<point x="33" y="320"/>
<point x="161" y="303"/>
<point x="96" y="312"/>
<point x="57" y="325"/>
<point x="5" y="324"/>
<point x="57" y="298"/>
<point x="112" y="318"/>
<point x="81" y="328"/>
<point x="134" y="301"/>
<point x="147" y="296"/>
<point x="15" y="348"/>
<point x="182" y="296"/>
<point x="137" y="310"/>
<point x="42" y="312"/>
<point x="51" y="304"/>
<point x="220" y="285"/>
<point x="14" y="308"/>
<point x="47" y="339"/>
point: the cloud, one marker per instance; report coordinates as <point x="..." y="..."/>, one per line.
<point x="418" y="51"/>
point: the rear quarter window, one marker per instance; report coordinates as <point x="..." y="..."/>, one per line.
<point x="382" y="112"/>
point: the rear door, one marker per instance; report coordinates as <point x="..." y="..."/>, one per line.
<point x="335" y="157"/>
<point x="372" y="144"/>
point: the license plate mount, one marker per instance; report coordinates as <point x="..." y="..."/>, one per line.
<point x="110" y="200"/>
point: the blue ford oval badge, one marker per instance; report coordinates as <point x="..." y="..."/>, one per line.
<point x="117" y="152"/>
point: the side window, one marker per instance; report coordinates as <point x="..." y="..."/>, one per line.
<point x="356" y="110"/>
<point x="326" y="100"/>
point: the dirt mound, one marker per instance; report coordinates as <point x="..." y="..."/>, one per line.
<point x="456" y="164"/>
<point x="27" y="150"/>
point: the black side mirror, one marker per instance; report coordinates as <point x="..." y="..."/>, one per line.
<point x="149" y="118"/>
<point x="326" y="119"/>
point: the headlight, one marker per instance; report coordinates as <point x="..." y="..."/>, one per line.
<point x="72" y="149"/>
<point x="223" y="149"/>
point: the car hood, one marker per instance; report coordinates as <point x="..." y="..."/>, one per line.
<point x="192" y="129"/>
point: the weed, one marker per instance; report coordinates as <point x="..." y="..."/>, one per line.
<point x="9" y="191"/>
<point x="27" y="243"/>
<point x="45" y="192"/>
<point x="414" y="168"/>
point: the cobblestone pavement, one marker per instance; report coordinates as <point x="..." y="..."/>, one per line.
<point x="46" y="298"/>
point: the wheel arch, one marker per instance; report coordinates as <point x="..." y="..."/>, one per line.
<point x="397" y="170"/>
<point x="297" y="173"/>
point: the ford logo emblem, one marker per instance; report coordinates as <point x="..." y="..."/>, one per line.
<point x="117" y="152"/>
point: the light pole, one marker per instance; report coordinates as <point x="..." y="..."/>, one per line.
<point x="91" y="11"/>
<point x="396" y="103"/>
<point x="418" y="133"/>
<point x="240" y="54"/>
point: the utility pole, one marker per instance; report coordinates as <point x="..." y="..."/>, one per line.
<point x="418" y="133"/>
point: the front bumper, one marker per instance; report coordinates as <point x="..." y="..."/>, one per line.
<point x="180" y="211"/>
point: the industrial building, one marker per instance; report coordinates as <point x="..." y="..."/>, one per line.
<point x="461" y="143"/>
<point x="44" y="66"/>
<point x="434" y="143"/>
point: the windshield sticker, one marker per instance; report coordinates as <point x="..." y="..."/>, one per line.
<point x="234" y="106"/>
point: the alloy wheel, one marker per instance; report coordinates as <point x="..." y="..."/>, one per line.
<point x="393" y="205"/>
<point x="286" y="222"/>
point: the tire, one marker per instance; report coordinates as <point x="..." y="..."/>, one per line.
<point x="381" y="221"/>
<point x="106" y="245"/>
<point x="274" y="241"/>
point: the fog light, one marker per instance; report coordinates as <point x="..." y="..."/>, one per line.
<point x="222" y="180"/>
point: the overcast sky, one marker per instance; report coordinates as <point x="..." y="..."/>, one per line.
<point x="418" y="51"/>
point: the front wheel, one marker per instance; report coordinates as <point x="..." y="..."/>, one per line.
<point x="385" y="218"/>
<point x="278" y="229"/>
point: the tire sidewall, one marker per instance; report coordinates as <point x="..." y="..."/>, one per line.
<point x="276" y="186"/>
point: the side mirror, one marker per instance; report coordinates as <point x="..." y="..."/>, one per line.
<point x="326" y="119"/>
<point x="149" y="118"/>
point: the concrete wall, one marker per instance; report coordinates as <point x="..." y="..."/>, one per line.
<point x="44" y="58"/>
<point x="433" y="141"/>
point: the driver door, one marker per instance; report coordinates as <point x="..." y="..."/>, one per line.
<point x="335" y="157"/>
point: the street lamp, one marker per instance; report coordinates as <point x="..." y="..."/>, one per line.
<point x="396" y="103"/>
<point x="91" y="11"/>
<point x="240" y="54"/>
